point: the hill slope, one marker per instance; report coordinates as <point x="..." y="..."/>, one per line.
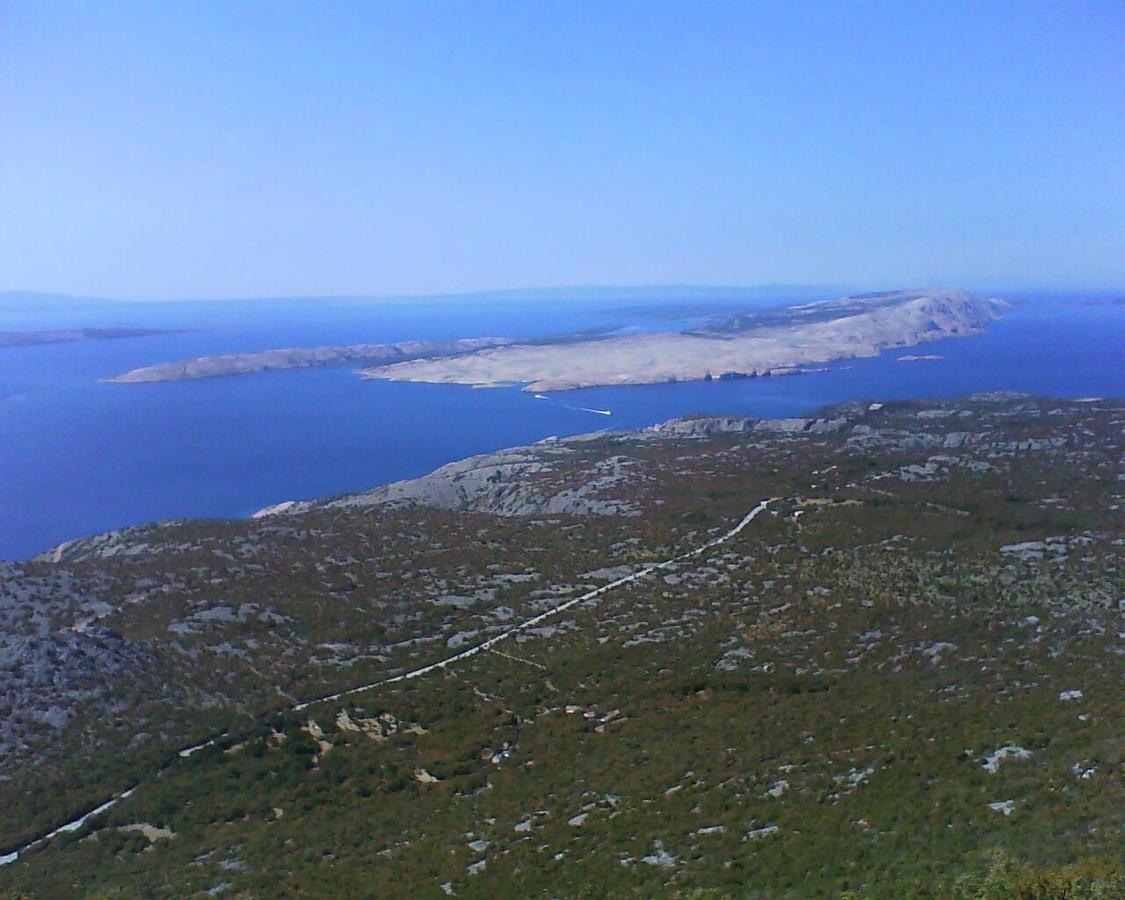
<point x="903" y="666"/>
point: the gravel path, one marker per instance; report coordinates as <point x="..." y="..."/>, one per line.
<point x="432" y="667"/>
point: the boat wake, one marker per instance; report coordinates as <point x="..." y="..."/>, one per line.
<point x="588" y="409"/>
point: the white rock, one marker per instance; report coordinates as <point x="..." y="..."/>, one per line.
<point x="1010" y="751"/>
<point x="660" y="857"/>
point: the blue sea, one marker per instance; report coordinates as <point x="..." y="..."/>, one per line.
<point x="78" y="457"/>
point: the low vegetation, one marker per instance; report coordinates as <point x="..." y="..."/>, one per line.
<point x="902" y="680"/>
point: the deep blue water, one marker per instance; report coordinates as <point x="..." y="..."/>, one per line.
<point x="78" y="457"/>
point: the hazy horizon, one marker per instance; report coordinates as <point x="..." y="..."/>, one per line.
<point x="718" y="293"/>
<point x="215" y="151"/>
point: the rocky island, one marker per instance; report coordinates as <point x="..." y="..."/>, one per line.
<point x="771" y="342"/>
<point x="298" y="358"/>
<point x="68" y="335"/>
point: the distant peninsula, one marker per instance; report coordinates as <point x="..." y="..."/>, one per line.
<point x="770" y="342"/>
<point x="299" y="358"/>
<point x="773" y="341"/>
<point x="62" y="336"/>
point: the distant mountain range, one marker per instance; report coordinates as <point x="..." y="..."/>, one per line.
<point x="30" y="300"/>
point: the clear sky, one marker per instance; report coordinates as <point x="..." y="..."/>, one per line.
<point x="219" y="149"/>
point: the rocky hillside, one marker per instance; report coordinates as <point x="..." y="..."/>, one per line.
<point x="876" y="649"/>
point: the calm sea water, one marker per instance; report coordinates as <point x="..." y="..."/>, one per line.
<point x="78" y="457"/>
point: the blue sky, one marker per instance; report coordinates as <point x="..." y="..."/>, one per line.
<point x="221" y="149"/>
